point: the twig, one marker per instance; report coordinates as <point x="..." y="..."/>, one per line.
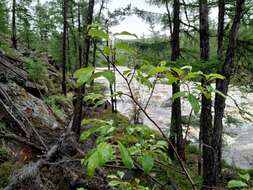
<point x="188" y="126"/>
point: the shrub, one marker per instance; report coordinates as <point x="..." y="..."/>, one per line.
<point x="36" y="70"/>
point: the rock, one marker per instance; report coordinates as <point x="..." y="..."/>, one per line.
<point x="33" y="108"/>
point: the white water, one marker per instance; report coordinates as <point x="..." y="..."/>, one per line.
<point x="238" y="141"/>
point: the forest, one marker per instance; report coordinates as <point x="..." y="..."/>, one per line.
<point x="126" y="94"/>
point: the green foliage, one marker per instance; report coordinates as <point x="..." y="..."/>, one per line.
<point x="117" y="181"/>
<point x="125" y="33"/>
<point x="95" y="99"/>
<point x="147" y="162"/>
<point x="194" y="103"/>
<point x="126" y="158"/>
<point x="102" y="154"/>
<point x="244" y="182"/>
<point x="3" y="17"/>
<point x="87" y="74"/>
<point x="96" y="32"/>
<point x="37" y="71"/>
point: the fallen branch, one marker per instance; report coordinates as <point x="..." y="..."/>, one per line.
<point x="21" y="140"/>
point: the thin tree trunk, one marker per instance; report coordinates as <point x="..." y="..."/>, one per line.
<point x="176" y="133"/>
<point x="217" y="132"/>
<point x="14" y="28"/>
<point x="80" y="92"/>
<point x="206" y="108"/>
<point x="64" y="46"/>
<point x="222" y="86"/>
<point x="109" y="68"/>
<point x="95" y="41"/>
<point x="74" y="36"/>
<point x="79" y="36"/>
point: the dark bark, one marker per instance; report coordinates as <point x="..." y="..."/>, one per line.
<point x="75" y="37"/>
<point x="76" y="125"/>
<point x="79" y="37"/>
<point x="217" y="132"/>
<point x="64" y="46"/>
<point x="109" y="68"/>
<point x="95" y="41"/>
<point x="206" y="108"/>
<point x="176" y="135"/>
<point x="222" y="86"/>
<point x="14" y="27"/>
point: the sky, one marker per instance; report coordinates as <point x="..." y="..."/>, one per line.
<point x="133" y="24"/>
<point x="136" y="25"/>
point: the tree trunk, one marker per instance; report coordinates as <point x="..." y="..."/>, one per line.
<point x="222" y="86"/>
<point x="64" y="46"/>
<point x="206" y="108"/>
<point x="80" y="58"/>
<point x="76" y="125"/>
<point x="217" y="132"/>
<point x="176" y="135"/>
<point x="14" y="28"/>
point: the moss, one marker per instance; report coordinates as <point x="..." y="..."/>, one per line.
<point x="6" y="170"/>
<point x="118" y="119"/>
<point x="4" y="155"/>
<point x="192" y="149"/>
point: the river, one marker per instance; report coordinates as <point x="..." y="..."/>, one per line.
<point x="238" y="131"/>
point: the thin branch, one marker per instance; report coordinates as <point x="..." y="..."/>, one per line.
<point x="153" y="122"/>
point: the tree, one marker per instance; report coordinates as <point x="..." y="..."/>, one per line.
<point x="176" y="127"/>
<point x="206" y="102"/>
<point x="14" y="27"/>
<point x="222" y="86"/>
<point x="64" y="46"/>
<point x="80" y="91"/>
<point x="3" y="17"/>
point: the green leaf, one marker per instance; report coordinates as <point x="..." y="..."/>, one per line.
<point x="187" y="67"/>
<point x="92" y="163"/>
<point x="109" y="75"/>
<point x="245" y="177"/>
<point x="107" y="51"/>
<point x="192" y="76"/>
<point x="147" y="163"/>
<point x="112" y="177"/>
<point x="194" y="103"/>
<point x="236" y="184"/>
<point x="88" y="132"/>
<point x="98" y="33"/>
<point x="103" y="154"/>
<point x="120" y="174"/>
<point x="99" y="103"/>
<point x="217" y="91"/>
<point x="126" y="158"/>
<point x="127" y="73"/>
<point x="179" y="95"/>
<point x="123" y="46"/>
<point x="114" y="183"/>
<point x="92" y="97"/>
<point x="203" y="91"/>
<point x="172" y="79"/>
<point x="83" y="75"/>
<point x="214" y="76"/>
<point x="125" y="33"/>
<point x="177" y="71"/>
<point x="157" y="70"/>
<point x="122" y="60"/>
